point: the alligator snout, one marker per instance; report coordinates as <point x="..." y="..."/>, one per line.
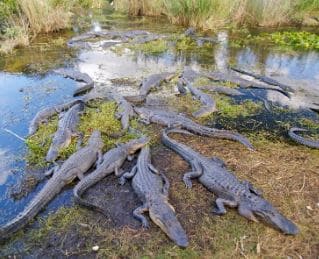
<point x="289" y="227"/>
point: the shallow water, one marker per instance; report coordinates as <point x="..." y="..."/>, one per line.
<point x="32" y="87"/>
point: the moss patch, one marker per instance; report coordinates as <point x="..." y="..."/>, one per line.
<point x="100" y="118"/>
<point x="228" y="108"/>
<point x="153" y="47"/>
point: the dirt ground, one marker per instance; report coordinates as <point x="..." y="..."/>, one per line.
<point x="287" y="174"/>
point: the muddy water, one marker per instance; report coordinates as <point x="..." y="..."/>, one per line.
<point x="32" y="86"/>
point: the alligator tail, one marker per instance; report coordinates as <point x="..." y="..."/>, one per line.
<point x="301" y="140"/>
<point x="226" y="134"/>
<point x="48" y="192"/>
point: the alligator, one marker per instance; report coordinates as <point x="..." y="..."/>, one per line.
<point x="152" y="189"/>
<point x="79" y="77"/>
<point x="221" y="89"/>
<point x="154" y="81"/>
<point x="66" y="128"/>
<point x="213" y="174"/>
<point x="43" y="115"/>
<point x="112" y="162"/>
<point x="301" y="140"/>
<point x="233" y="78"/>
<point x="209" y="105"/>
<point x="173" y="119"/>
<point x="147" y="38"/>
<point x="69" y="170"/>
<point x="264" y="79"/>
<point x="125" y="110"/>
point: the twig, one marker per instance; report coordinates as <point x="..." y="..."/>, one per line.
<point x="14" y="134"/>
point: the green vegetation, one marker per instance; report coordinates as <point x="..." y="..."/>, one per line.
<point x="154" y="47"/>
<point x="287" y="39"/>
<point x="228" y="108"/>
<point x="22" y="20"/>
<point x="100" y="118"/>
<point x="211" y="14"/>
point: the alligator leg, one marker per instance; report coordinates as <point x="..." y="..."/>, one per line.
<point x="247" y="213"/>
<point x="99" y="158"/>
<point x="251" y="188"/>
<point x="219" y="161"/>
<point x="127" y="175"/>
<point x="219" y="208"/>
<point x="197" y="172"/>
<point x="166" y="184"/>
<point x="130" y="157"/>
<point x="153" y="169"/>
<point x="138" y="214"/>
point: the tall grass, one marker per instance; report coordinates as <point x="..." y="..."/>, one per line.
<point x="210" y="14"/>
<point x="22" y="20"/>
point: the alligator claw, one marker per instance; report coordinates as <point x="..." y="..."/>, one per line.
<point x="122" y="180"/>
<point x="188" y="183"/>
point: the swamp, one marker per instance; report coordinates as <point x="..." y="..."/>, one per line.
<point x="257" y="88"/>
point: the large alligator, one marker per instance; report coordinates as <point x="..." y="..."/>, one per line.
<point x="170" y="119"/>
<point x="66" y="129"/>
<point x="235" y="79"/>
<point x="301" y="140"/>
<point x="264" y="79"/>
<point x="152" y="189"/>
<point x="79" y="77"/>
<point x="45" y="114"/>
<point x="75" y="166"/>
<point x="112" y="162"/>
<point x="213" y="174"/>
<point x="209" y="105"/>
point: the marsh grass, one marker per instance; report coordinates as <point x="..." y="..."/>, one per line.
<point x="212" y="14"/>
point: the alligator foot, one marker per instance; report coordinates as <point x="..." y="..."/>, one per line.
<point x="219" y="206"/>
<point x="197" y="172"/>
<point x="138" y="215"/>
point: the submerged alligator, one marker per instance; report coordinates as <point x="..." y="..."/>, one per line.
<point x="170" y="119"/>
<point x="213" y="174"/>
<point x="45" y="114"/>
<point x="152" y="187"/>
<point x="69" y="170"/>
<point x="112" y="162"/>
<point x="301" y="140"/>
<point x="66" y="129"/>
<point x="79" y="77"/>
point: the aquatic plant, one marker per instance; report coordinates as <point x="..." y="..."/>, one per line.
<point x="153" y="47"/>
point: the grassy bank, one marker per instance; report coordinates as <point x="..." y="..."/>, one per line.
<point x="22" y="20"/>
<point x="210" y="14"/>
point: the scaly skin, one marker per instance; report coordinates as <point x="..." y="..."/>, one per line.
<point x="170" y="119"/>
<point x="45" y="114"/>
<point x="152" y="189"/>
<point x="233" y="78"/>
<point x="213" y="174"/>
<point x="77" y="76"/>
<point x="70" y="169"/>
<point x="125" y="110"/>
<point x="209" y="105"/>
<point x="154" y="81"/>
<point x="264" y="79"/>
<point x="112" y="162"/>
<point x="301" y="140"/>
<point x="66" y="128"/>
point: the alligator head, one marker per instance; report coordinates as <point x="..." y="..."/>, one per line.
<point x="135" y="144"/>
<point x="163" y="215"/>
<point x="267" y="213"/>
<point x="96" y="140"/>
